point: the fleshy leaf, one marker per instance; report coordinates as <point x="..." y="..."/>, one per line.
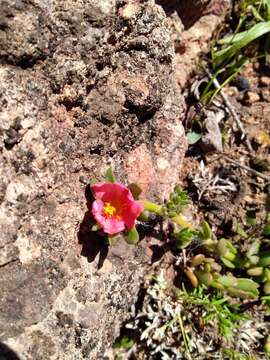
<point x="109" y="175"/>
<point x="227" y="262"/>
<point x="264" y="258"/>
<point x="113" y="239"/>
<point x="131" y="236"/>
<point x="193" y="137"/>
<point x="255" y="271"/>
<point x="243" y="288"/>
<point x="266" y="230"/>
<point x="206" y="232"/>
<point x="135" y="190"/>
<point x="204" y="277"/>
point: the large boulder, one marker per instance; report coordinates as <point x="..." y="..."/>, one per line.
<point x="83" y="85"/>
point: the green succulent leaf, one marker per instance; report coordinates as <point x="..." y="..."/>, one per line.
<point x="178" y="199"/>
<point x="253" y="251"/>
<point x="266" y="230"/>
<point x="228" y="281"/>
<point x="267" y="274"/>
<point x="109" y="175"/>
<point x="266" y="288"/>
<point x="266" y="347"/>
<point x="135" y="190"/>
<point x="255" y="271"/>
<point x="264" y="258"/>
<point x="226" y="249"/>
<point x="197" y="260"/>
<point x="93" y="181"/>
<point x="240" y="231"/>
<point x="227" y="263"/>
<point x="144" y="216"/>
<point x="241" y="287"/>
<point x="206" y="232"/>
<point x="193" y="137"/>
<point x="204" y="277"/>
<point x="131" y="236"/>
<point x="112" y="239"/>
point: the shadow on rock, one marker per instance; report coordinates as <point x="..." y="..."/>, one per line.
<point x="159" y="249"/>
<point x="7" y="354"/>
<point x="188" y="11"/>
<point x="93" y="243"/>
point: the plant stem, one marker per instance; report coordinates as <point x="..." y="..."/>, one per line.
<point x="151" y="207"/>
<point x="157" y="209"/>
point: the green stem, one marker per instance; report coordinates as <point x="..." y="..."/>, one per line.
<point x="157" y="209"/>
<point x="151" y="207"/>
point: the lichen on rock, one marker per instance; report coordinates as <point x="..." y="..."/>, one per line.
<point x="80" y="89"/>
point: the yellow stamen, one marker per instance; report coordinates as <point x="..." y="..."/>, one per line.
<point x="109" y="210"/>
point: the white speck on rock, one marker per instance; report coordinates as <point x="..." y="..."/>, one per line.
<point x="28" y="250"/>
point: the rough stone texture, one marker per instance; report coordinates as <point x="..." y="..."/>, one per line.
<point x="79" y="90"/>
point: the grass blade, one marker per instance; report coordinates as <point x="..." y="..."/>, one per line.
<point x="244" y="39"/>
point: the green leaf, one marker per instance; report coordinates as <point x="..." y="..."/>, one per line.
<point x="241" y="287"/>
<point x="124" y="342"/>
<point x="264" y="258"/>
<point x="227" y="263"/>
<point x="266" y="230"/>
<point x="204" y="277"/>
<point x="193" y="137"/>
<point x="93" y="181"/>
<point x="255" y="271"/>
<point x="226" y="249"/>
<point x="240" y="231"/>
<point x="110" y="176"/>
<point x="131" y="236"/>
<point x="184" y="237"/>
<point x="135" y="190"/>
<point x="206" y="232"/>
<point x="242" y="39"/>
<point x="112" y="239"/>
<point x="227" y="281"/>
<point x="254" y="249"/>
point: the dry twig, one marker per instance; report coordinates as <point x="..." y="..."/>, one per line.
<point x="245" y="167"/>
<point x="231" y="109"/>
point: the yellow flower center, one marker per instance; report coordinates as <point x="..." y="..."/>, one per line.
<point x="109" y="210"/>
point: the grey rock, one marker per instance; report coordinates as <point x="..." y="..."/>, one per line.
<point x="81" y="87"/>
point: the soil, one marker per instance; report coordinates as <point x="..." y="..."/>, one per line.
<point x="247" y="196"/>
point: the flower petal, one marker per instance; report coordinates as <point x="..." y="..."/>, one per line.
<point x="119" y="196"/>
<point x="111" y="192"/>
<point x="97" y="211"/>
<point x="110" y="226"/>
<point x="113" y="226"/>
<point x="134" y="209"/>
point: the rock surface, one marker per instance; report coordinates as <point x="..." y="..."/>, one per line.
<point x="79" y="90"/>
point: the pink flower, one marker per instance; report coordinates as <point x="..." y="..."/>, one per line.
<point x="114" y="208"/>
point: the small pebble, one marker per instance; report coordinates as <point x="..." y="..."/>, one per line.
<point x="242" y="83"/>
<point x="251" y="97"/>
<point x="265" y="94"/>
<point x="265" y="81"/>
<point x="231" y="91"/>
